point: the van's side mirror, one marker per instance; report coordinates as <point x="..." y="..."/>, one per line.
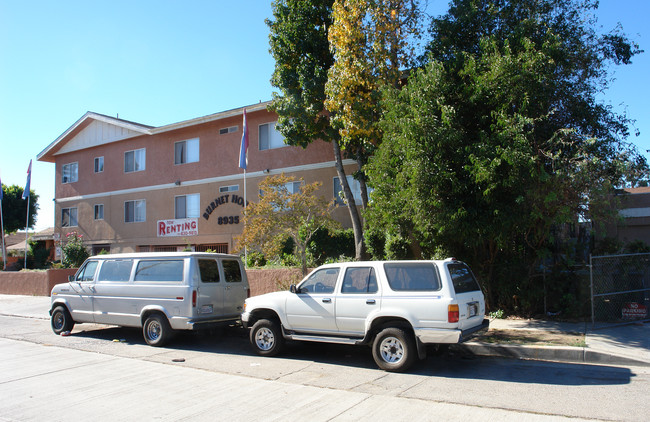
<point x="293" y="289"/>
<point x="71" y="278"/>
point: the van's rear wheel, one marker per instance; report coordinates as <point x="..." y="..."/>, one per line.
<point x="61" y="320"/>
<point x="156" y="330"/>
<point x="394" y="350"/>
<point x="266" y="337"/>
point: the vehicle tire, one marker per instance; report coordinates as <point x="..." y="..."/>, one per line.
<point x="61" y="320"/>
<point x="156" y="330"/>
<point x="266" y="337"/>
<point x="394" y="350"/>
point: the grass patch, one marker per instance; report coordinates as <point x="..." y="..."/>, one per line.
<point x="532" y="337"/>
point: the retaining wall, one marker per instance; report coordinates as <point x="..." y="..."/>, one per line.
<point x="40" y="283"/>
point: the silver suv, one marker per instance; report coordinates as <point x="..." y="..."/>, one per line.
<point x="396" y="307"/>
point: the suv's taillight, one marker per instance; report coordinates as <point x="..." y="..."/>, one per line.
<point x="452" y="313"/>
<point x="193" y="298"/>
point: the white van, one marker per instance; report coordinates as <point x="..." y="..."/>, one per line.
<point x="160" y="292"/>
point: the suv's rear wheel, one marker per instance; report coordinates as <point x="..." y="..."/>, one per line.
<point x="394" y="350"/>
<point x="156" y="330"/>
<point x="266" y="337"/>
<point x="61" y="320"/>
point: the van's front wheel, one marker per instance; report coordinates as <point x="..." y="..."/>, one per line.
<point x="61" y="320"/>
<point x="156" y="330"/>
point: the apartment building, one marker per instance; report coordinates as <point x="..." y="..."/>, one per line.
<point x="129" y="187"/>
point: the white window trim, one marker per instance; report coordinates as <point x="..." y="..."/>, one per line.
<point x="144" y="164"/>
<point x="274" y="123"/>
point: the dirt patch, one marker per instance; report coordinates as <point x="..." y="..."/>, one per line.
<point x="532" y="337"/>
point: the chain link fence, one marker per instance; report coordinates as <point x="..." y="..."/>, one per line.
<point x="620" y="288"/>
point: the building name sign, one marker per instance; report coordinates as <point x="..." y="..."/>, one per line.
<point x="178" y="227"/>
<point x="224" y="199"/>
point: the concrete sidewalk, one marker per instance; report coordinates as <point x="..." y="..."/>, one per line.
<point x="614" y="345"/>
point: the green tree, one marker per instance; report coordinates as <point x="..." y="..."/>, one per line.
<point x="299" y="45"/>
<point x="500" y="138"/>
<point x="282" y="214"/>
<point x="14" y="208"/>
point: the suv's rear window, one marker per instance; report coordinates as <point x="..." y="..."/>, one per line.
<point x="462" y="278"/>
<point x="412" y="276"/>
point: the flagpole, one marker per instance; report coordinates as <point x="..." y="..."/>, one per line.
<point x="245" y="249"/>
<point x="26" y="231"/>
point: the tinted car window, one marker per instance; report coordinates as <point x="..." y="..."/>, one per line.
<point x="159" y="270"/>
<point x="359" y="280"/>
<point x="209" y="269"/>
<point x="115" y="270"/>
<point x="412" y="276"/>
<point x="462" y="278"/>
<point x="231" y="271"/>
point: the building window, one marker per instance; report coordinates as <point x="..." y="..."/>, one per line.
<point x="69" y="217"/>
<point x="99" y="164"/>
<point x="135" y="211"/>
<point x="187" y="206"/>
<point x="226" y="130"/>
<point x="231" y="188"/>
<point x="186" y="151"/>
<point x="134" y="160"/>
<point x="99" y="211"/>
<point x="355" y="187"/>
<point x="70" y="173"/>
<point x="269" y="137"/>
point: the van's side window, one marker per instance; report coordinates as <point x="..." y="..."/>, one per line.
<point x="115" y="270"/>
<point x="87" y="273"/>
<point x="231" y="271"/>
<point x="209" y="269"/>
<point x="159" y="270"/>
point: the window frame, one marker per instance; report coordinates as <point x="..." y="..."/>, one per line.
<point x="271" y="128"/>
<point x="198" y="206"/>
<point x="229" y="188"/>
<point x="135" y="153"/>
<point x="76" y="217"/>
<point x="100" y="161"/>
<point x="135" y="201"/>
<point x="73" y="165"/>
<point x="95" y="209"/>
<point x="187" y="142"/>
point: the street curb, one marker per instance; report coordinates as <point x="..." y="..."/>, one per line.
<point x="546" y="353"/>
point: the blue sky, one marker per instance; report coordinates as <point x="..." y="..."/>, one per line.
<point x="161" y="62"/>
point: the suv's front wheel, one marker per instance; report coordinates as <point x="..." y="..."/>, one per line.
<point x="266" y="337"/>
<point x="394" y="350"/>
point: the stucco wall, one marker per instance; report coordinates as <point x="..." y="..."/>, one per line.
<point x="40" y="283"/>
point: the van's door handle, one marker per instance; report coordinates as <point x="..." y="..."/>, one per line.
<point x="370" y="301"/>
<point x="327" y="300"/>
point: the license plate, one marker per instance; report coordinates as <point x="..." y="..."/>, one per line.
<point x="472" y="309"/>
<point x="206" y="309"/>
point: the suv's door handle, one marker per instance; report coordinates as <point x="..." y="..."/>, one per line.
<point x="327" y="300"/>
<point x="370" y="301"/>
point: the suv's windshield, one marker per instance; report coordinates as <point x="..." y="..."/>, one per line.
<point x="462" y="278"/>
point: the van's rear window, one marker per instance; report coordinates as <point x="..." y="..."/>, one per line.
<point x="159" y="270"/>
<point x="412" y="276"/>
<point x="462" y="278"/>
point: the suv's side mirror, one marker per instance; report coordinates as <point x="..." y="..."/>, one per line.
<point x="294" y="289"/>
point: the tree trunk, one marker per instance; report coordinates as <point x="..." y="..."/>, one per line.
<point x="357" y="225"/>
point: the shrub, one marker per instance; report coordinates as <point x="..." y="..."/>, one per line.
<point x="74" y="250"/>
